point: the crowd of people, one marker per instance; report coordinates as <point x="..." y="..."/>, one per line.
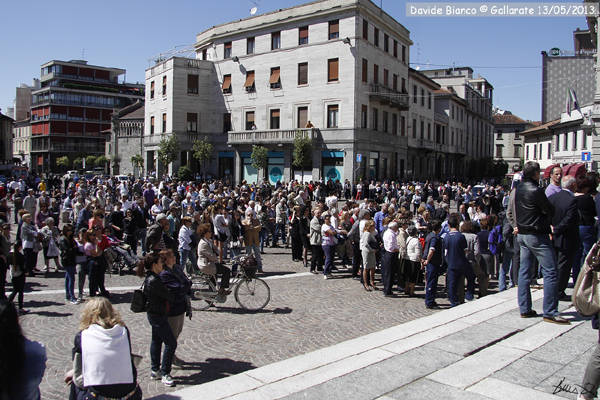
<point x="414" y="234"/>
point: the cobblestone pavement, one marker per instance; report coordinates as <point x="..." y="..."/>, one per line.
<point x="305" y="313"/>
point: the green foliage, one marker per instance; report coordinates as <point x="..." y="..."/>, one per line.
<point x="302" y="151"/>
<point x="260" y="157"/>
<point x="185" y="173"/>
<point x="101" y="161"/>
<point x="167" y="150"/>
<point x="78" y="163"/>
<point x="90" y="161"/>
<point x="202" y="150"/>
<point x="63" y="162"/>
<point x="137" y="161"/>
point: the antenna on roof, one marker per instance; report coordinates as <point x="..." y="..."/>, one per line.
<point x="254" y="9"/>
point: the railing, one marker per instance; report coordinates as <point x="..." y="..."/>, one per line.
<point x="270" y="136"/>
<point x="390" y="96"/>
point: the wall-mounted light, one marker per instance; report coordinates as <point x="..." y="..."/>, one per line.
<point x="235" y="59"/>
<point x="347" y="41"/>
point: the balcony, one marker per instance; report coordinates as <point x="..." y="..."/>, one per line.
<point x="422" y="144"/>
<point x="270" y="136"/>
<point x="385" y="95"/>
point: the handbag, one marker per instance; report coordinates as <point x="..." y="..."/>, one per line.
<point x="52" y="249"/>
<point x="585" y="297"/>
<point x="138" y="302"/>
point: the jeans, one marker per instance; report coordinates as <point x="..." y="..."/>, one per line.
<point x="183" y="257"/>
<point x="250" y="249"/>
<point x="83" y="270"/>
<point x="505" y="270"/>
<point x="140" y="235"/>
<point x="96" y="272"/>
<point x="433" y="273"/>
<point x="30" y="260"/>
<point x="586" y="236"/>
<point x="356" y="258"/>
<point x="454" y="278"/>
<point x="389" y="269"/>
<point x="279" y="231"/>
<point x="329" y="252"/>
<point x="161" y="333"/>
<point x="316" y="258"/>
<point x="70" y="282"/>
<point x="263" y="236"/>
<point x="540" y="246"/>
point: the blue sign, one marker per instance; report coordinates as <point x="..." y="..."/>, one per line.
<point x="586" y="156"/>
<point x="358" y="157"/>
<point x="275" y="174"/>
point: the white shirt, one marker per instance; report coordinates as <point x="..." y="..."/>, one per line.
<point x="390" y="240"/>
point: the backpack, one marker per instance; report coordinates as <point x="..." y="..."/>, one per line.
<point x="495" y="242"/>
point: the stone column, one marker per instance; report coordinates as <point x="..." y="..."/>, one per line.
<point x="316" y="160"/>
<point x="287" y="165"/>
<point x="237" y="167"/>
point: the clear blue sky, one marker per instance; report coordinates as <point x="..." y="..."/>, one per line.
<point x="126" y="33"/>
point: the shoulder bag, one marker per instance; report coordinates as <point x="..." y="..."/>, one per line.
<point x="586" y="298"/>
<point x="138" y="302"/>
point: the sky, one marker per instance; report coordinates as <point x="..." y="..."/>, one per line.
<point x="128" y="33"/>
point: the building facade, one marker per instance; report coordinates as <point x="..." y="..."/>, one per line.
<point x="335" y="71"/>
<point x="508" y="141"/>
<point x="6" y="133"/>
<point x="72" y="108"/>
<point x="127" y="139"/>
<point x="21" y="145"/>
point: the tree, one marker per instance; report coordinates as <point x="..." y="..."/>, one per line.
<point x="90" y="161"/>
<point x="202" y="151"/>
<point x="185" y="174"/>
<point x="63" y="162"/>
<point x="101" y="161"/>
<point x="302" y="151"/>
<point x="168" y="148"/>
<point x="138" y="162"/>
<point x="260" y="157"/>
<point x="78" y="163"/>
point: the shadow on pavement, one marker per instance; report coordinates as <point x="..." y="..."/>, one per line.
<point x="40" y="304"/>
<point x="211" y="369"/>
<point x="49" y="314"/>
<point x="239" y="310"/>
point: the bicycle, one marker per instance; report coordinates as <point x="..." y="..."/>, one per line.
<point x="250" y="292"/>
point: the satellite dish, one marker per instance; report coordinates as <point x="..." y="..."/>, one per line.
<point x="253" y="10"/>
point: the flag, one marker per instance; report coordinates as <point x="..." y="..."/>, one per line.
<point x="573" y="97"/>
<point x="568" y="103"/>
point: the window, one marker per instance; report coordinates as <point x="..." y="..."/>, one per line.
<point x="164" y="122"/>
<point x="250" y="120"/>
<point x="302" y="35"/>
<point x="375" y="74"/>
<point x="549" y="150"/>
<point x="332" y="70"/>
<point x="152" y="125"/>
<point x="394" y="124"/>
<point x="376" y="37"/>
<point x="250" y="45"/>
<point x="499" y="151"/>
<point x="226" y="122"/>
<point x="499" y="135"/>
<point x="302" y="117"/>
<point x="365" y="29"/>
<point x="192" y="87"/>
<point x="395" y="82"/>
<point x="428" y="131"/>
<point x="227" y="84"/>
<point x="275" y="79"/>
<point x="535" y="152"/>
<point x="517" y="151"/>
<point x="204" y="54"/>
<point x="249" y="84"/>
<point x="402" y="125"/>
<point x="303" y="73"/>
<point x="274" y="119"/>
<point x="365" y="70"/>
<point x="332" y="116"/>
<point x="429" y="100"/>
<point x="275" y="40"/>
<point x="404" y="85"/>
<point x="363" y="116"/>
<point x="395" y="48"/>
<point x="386" y="44"/>
<point x="334" y="29"/>
<point x="192" y="122"/>
<point x="526" y="152"/>
<point x="375" y="119"/>
<point x="422" y="97"/>
<point x="152" y="89"/>
<point x="386" y="77"/>
<point x="414" y="128"/>
<point x="404" y="54"/>
<point x="385" y="118"/>
<point x="565" y="139"/>
<point x="164" y="86"/>
<point x="415" y="94"/>
<point x="574" y="142"/>
<point x="227" y="50"/>
<point x="584" y="141"/>
<point x="422" y="129"/>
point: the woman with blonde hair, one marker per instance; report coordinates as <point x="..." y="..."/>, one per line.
<point x="103" y="364"/>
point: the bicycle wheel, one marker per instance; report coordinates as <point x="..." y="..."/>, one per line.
<point x="203" y="295"/>
<point x="252" y="294"/>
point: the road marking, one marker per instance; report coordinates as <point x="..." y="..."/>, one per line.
<point x="130" y="288"/>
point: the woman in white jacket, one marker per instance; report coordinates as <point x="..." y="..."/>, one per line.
<point x="413" y="255"/>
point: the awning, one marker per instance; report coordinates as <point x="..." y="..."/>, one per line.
<point x="548" y="170"/>
<point x="274" y="75"/>
<point x="226" y="82"/>
<point x="249" y="79"/>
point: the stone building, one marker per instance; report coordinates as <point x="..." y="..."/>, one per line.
<point x="508" y="142"/>
<point x="6" y="132"/>
<point x="127" y="139"/>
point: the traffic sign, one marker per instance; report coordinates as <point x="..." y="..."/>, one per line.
<point x="358" y="157"/>
<point x="586" y="156"/>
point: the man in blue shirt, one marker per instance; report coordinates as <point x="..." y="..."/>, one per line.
<point x="432" y="260"/>
<point x="379" y="216"/>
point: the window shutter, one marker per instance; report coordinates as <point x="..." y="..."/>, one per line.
<point x="249" y="79"/>
<point x="303" y="32"/>
<point x="226" y="82"/>
<point x="302" y="73"/>
<point x="275" y="113"/>
<point x="333" y="70"/>
<point x="274" y="75"/>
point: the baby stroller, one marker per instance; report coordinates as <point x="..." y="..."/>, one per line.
<point x="119" y="257"/>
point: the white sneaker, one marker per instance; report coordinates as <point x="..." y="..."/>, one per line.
<point x="167" y="380"/>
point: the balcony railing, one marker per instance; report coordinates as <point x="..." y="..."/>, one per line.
<point x="389" y="96"/>
<point x="270" y="136"/>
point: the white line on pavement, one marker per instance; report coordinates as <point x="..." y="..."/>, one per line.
<point x="129" y="288"/>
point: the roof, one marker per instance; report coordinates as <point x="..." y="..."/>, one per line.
<point x="132" y="111"/>
<point x="2" y="116"/>
<point x="413" y="73"/>
<point x="541" y="128"/>
<point x="507" y="119"/>
<point x="135" y="114"/>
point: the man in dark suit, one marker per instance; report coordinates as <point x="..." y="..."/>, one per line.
<point x="565" y="231"/>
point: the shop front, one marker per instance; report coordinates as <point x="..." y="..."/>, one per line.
<point x="333" y="165"/>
